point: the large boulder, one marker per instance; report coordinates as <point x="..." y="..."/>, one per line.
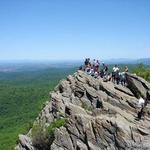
<point x="100" y="115"/>
<point x="137" y="85"/>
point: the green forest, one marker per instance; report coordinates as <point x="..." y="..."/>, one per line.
<point x="142" y="71"/>
<point x="23" y="94"/>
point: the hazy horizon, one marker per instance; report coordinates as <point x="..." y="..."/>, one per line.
<point x="55" y="60"/>
<point x="75" y="62"/>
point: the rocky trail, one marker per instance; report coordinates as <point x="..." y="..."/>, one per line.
<point x="100" y="116"/>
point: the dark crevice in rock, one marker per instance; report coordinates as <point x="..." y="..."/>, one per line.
<point x="60" y="89"/>
<point x="70" y="137"/>
<point x="26" y="147"/>
<point x="123" y="91"/>
<point x="89" y="96"/>
<point x="134" y="90"/>
<point x="67" y="111"/>
<point x="86" y="141"/>
<point x="148" y="95"/>
<point x="79" y="94"/>
<point x="78" y="148"/>
<point x="144" y="85"/>
<point x="118" y="144"/>
<point x="50" y="148"/>
<point x="94" y="131"/>
<point x="109" y="93"/>
<point x="77" y="129"/>
<point x="116" y="102"/>
<point x="131" y="104"/>
<point x="132" y="137"/>
<point x="99" y="104"/>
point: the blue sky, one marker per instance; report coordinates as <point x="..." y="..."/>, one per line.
<point x="74" y="29"/>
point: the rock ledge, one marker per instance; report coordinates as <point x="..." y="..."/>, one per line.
<point x="101" y="115"/>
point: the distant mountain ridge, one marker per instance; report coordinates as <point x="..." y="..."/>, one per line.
<point x="145" y="61"/>
<point x="15" y="66"/>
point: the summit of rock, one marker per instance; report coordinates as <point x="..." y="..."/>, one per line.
<point x="100" y="115"/>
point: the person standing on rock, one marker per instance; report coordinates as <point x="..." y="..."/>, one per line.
<point x="97" y="63"/>
<point x="94" y="62"/>
<point x="126" y="69"/>
<point x="141" y="106"/>
<point x="122" y="78"/>
<point x="124" y="73"/>
<point x="105" y="69"/>
<point x="86" y="62"/>
<point x="115" y="74"/>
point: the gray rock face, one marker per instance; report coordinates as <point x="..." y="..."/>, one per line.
<point x="101" y="115"/>
<point x="25" y="143"/>
<point x="138" y="85"/>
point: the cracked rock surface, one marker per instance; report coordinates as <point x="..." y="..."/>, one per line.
<point x="101" y="115"/>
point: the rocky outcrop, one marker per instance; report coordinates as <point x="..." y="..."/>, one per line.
<point x="137" y="85"/>
<point x="100" y="115"/>
<point x="25" y="143"/>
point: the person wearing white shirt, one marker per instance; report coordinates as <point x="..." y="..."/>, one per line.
<point x="141" y="103"/>
<point x="115" y="69"/>
<point x="115" y="74"/>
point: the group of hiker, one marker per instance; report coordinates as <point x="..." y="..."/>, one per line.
<point x="98" y="69"/>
